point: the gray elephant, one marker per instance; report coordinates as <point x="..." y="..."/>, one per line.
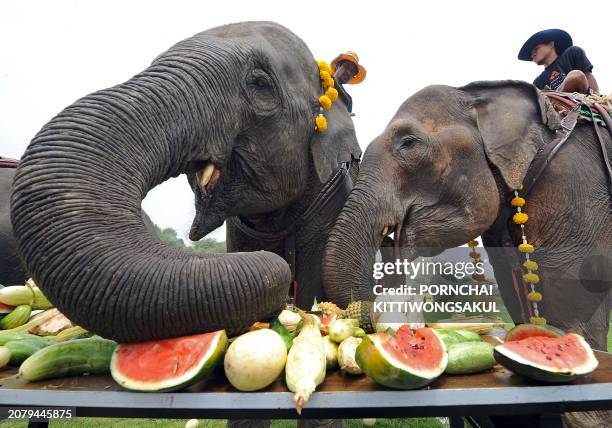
<point x="12" y="270"/>
<point x="439" y="174"/>
<point x="233" y="108"/>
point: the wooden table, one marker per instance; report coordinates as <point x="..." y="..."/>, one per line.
<point x="497" y="392"/>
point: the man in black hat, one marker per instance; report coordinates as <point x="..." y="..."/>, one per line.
<point x="567" y="68"/>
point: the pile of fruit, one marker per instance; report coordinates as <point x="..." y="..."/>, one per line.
<point x="303" y="346"/>
<point x="42" y="342"/>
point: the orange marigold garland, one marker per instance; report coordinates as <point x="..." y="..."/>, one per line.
<point x="327" y="99"/>
<point x="475" y="255"/>
<point x="531" y="278"/>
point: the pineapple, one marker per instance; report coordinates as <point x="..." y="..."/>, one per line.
<point x="330" y="308"/>
<point x="361" y="310"/>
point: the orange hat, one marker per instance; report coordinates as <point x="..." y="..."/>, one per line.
<point x="353" y="58"/>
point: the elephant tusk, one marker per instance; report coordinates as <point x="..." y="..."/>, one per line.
<point x="385" y="231"/>
<point x="205" y="174"/>
<point x="396" y="240"/>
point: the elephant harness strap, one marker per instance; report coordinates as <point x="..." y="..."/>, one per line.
<point x="501" y="230"/>
<point x="8" y="163"/>
<point x="337" y="187"/>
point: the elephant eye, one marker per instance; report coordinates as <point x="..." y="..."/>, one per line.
<point x="260" y="79"/>
<point x="407" y="142"/>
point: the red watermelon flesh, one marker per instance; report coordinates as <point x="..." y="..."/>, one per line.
<point x="523" y="331"/>
<point x="167" y="364"/>
<point x="548" y="359"/>
<point x="407" y="360"/>
<point x="326" y="319"/>
<point x="421" y="350"/>
<point x="5" y="309"/>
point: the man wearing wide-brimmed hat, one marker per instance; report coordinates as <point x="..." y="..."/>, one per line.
<point x="346" y="69"/>
<point x="567" y="68"/>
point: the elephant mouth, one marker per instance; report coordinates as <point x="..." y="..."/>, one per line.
<point x="206" y="185"/>
<point x="399" y="239"/>
<point x="207" y="178"/>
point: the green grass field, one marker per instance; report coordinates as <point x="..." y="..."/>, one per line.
<point x="207" y="423"/>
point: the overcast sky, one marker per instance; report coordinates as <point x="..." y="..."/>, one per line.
<point x="53" y="52"/>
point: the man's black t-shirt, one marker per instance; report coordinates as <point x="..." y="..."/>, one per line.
<point x="573" y="58"/>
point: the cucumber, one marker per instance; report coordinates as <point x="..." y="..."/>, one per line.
<point x="469" y="357"/>
<point x="468" y="335"/>
<point x="5" y="356"/>
<point x="10" y="336"/>
<point x="71" y="358"/>
<point x="454" y="336"/>
<point x="450" y="337"/>
<point x="23" y="349"/>
<point x="18" y="317"/>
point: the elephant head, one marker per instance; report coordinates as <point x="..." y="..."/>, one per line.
<point x="233" y="108"/>
<point x="435" y="175"/>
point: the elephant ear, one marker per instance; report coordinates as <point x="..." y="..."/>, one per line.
<point x="509" y="116"/>
<point x="337" y="145"/>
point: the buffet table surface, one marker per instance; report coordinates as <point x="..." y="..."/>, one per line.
<point x="495" y="392"/>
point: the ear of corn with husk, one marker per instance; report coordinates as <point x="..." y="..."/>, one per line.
<point x="306" y="361"/>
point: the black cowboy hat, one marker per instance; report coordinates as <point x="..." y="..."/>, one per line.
<point x="561" y="38"/>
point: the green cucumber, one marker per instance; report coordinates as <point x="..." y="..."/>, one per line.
<point x="23" y="349"/>
<point x="10" y="336"/>
<point x="450" y="337"/>
<point x="469" y="357"/>
<point x="71" y="358"/>
<point x="468" y="335"/>
<point x="18" y="317"/>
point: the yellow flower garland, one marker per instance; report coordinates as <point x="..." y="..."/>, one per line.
<point x="326" y="100"/>
<point x="520" y="218"/>
<point x="476" y="257"/>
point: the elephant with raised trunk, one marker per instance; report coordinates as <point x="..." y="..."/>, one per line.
<point x="12" y="270"/>
<point x="438" y="175"/>
<point x="233" y="108"/>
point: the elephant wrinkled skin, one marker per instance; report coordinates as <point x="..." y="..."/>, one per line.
<point x="233" y="108"/>
<point x="438" y="174"/>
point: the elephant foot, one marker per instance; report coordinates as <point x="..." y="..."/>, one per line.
<point x="248" y="423"/>
<point x="319" y="423"/>
<point x="595" y="419"/>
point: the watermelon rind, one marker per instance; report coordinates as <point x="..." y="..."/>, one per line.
<point x="523" y="331"/>
<point x="202" y="369"/>
<point x="386" y="370"/>
<point x="530" y="370"/>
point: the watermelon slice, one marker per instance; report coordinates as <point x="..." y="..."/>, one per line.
<point x="407" y="360"/>
<point x="5" y="309"/>
<point x="548" y="359"/>
<point x="167" y="364"/>
<point x="523" y="331"/>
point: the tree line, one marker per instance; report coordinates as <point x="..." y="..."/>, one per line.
<point x="206" y="245"/>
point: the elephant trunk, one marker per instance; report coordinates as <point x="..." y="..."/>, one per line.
<point x="352" y="246"/>
<point x="76" y="209"/>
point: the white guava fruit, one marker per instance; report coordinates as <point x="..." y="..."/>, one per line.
<point x="255" y="360"/>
